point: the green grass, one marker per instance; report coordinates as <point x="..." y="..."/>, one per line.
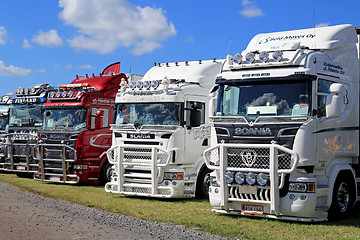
<point x="192" y="213"/>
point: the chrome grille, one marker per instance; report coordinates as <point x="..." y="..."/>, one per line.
<point x="261" y="194"/>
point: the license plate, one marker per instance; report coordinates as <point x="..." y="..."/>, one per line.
<point x="21" y="168"/>
<point x="57" y="179"/>
<point x="139" y="190"/>
<point x="252" y="209"/>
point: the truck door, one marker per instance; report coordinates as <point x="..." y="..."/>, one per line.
<point x="196" y="133"/>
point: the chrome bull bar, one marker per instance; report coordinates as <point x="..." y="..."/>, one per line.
<point x="150" y="158"/>
<point x="51" y="173"/>
<point x="11" y="151"/>
<point x="276" y="160"/>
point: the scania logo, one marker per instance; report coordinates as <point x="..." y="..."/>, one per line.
<point x="253" y="131"/>
<point x="248" y="157"/>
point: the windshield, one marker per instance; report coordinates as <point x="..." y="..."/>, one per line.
<point x="26" y="115"/>
<point x="140" y="114"/>
<point x="70" y="118"/>
<point x="276" y="100"/>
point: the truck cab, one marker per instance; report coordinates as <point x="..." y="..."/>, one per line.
<point x="76" y="131"/>
<point x="285" y="135"/>
<point x="5" y="102"/>
<point x="25" y="120"/>
<point x="161" y="131"/>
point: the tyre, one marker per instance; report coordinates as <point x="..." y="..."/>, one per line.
<point x="343" y="197"/>
<point x="105" y="173"/>
<point x="203" y="184"/>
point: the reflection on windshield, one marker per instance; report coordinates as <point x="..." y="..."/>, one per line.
<point x="148" y="114"/>
<point x="3" y="122"/>
<point x="70" y="118"/>
<point x="265" y="100"/>
<point x="25" y="115"/>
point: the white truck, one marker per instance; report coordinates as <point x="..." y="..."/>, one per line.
<point x="161" y="132"/>
<point x="285" y="129"/>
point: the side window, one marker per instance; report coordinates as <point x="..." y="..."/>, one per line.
<point x="105" y="117"/>
<point x="322" y="93"/>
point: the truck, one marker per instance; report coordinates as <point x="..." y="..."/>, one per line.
<point x="76" y="133"/>
<point x="161" y="131"/>
<point x="285" y="127"/>
<point x="25" y="120"/>
<point x="5" y="102"/>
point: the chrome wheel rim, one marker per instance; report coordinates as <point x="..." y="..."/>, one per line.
<point x="343" y="197"/>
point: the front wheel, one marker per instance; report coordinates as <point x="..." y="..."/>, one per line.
<point x="343" y="198"/>
<point x="203" y="184"/>
<point x="105" y="173"/>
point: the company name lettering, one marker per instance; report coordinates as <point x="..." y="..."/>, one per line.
<point x="284" y="38"/>
<point x="253" y="131"/>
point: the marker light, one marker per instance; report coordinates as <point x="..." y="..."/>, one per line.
<point x="239" y="177"/>
<point x="58" y="94"/>
<point x="250" y="178"/>
<point x="250" y="57"/>
<point x="64" y="94"/>
<point x="52" y="94"/>
<point x="237" y="58"/>
<point x="139" y="84"/>
<point x="26" y="90"/>
<point x="132" y="85"/>
<point x="32" y="90"/>
<point x="229" y="177"/>
<point x="262" y="179"/>
<point x="146" y="84"/>
<point x="278" y="55"/>
<point x="154" y="84"/>
<point x="264" y="56"/>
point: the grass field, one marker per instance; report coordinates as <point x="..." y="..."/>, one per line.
<point x="192" y="213"/>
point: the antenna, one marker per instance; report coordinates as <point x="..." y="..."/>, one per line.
<point x="227" y="50"/>
<point x="314" y="36"/>
<point x="130" y="73"/>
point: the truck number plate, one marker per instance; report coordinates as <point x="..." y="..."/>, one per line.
<point x="57" y="179"/>
<point x="21" y="168"/>
<point x="252" y="209"/>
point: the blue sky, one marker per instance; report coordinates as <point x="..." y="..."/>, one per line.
<point x="44" y="41"/>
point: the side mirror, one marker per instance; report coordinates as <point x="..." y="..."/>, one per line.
<point x="335" y="101"/>
<point x="195" y="118"/>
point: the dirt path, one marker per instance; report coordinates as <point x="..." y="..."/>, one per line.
<point x="24" y="215"/>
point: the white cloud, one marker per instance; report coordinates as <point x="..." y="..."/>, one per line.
<point x="3" y="35"/>
<point x="86" y="66"/>
<point x="322" y="25"/>
<point x="40" y="70"/>
<point x="26" y="44"/>
<point x="190" y="39"/>
<point x="68" y="66"/>
<point x="103" y="26"/>
<point x="12" y="70"/>
<point x="251" y="11"/>
<point x="48" y="39"/>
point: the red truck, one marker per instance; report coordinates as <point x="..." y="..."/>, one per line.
<point x="76" y="130"/>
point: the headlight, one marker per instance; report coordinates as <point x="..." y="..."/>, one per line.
<point x="154" y="84"/>
<point x="240" y="177"/>
<point x="173" y="176"/>
<point x="139" y="84"/>
<point x="147" y="84"/>
<point x="229" y="177"/>
<point x="80" y="167"/>
<point x="250" y="57"/>
<point x="262" y="179"/>
<point x="278" y="55"/>
<point x="250" y="178"/>
<point x="264" y="56"/>
<point x="237" y="58"/>
<point x="301" y="187"/>
<point x="132" y="85"/>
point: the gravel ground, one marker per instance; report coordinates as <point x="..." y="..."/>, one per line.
<point x="25" y="215"/>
